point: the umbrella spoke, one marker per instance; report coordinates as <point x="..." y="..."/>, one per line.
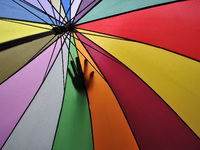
<point x="45" y="46"/>
<point x="69" y="10"/>
<point x="117" y="61"/>
<point x="86" y="59"/>
<point x="50" y="59"/>
<point x="59" y="10"/>
<point x="32" y="13"/>
<point x="46" y="12"/>
<point x="24" y="23"/>
<point x="95" y="2"/>
<point x="78" y="13"/>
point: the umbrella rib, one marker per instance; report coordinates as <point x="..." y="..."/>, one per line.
<point x="53" y="9"/>
<point x="46" y="72"/>
<point x="117" y="61"/>
<point x="62" y="65"/>
<point x="50" y="59"/>
<point x="69" y="47"/>
<point x="62" y="55"/>
<point x="86" y="8"/>
<point x="60" y="12"/>
<point x="42" y="11"/>
<point x="49" y="68"/>
<point x="82" y="11"/>
<point x="70" y="52"/>
<point x="32" y="13"/>
<point x="63" y="59"/>
<point x="61" y="6"/>
<point x="60" y="22"/>
<point x="86" y="59"/>
<point x="108" y="36"/>
<point x="64" y="12"/>
<point x="29" y="21"/>
<point x="15" y="21"/>
<point x="46" y="12"/>
<point x="64" y="19"/>
<point x="15" y="42"/>
<point x="69" y="10"/>
<point x="41" y="49"/>
<point x="139" y="9"/>
<point x="32" y="58"/>
<point x="125" y="39"/>
<point x="29" y="4"/>
<point x="77" y="11"/>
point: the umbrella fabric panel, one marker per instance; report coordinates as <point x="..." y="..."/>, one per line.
<point x="40" y="14"/>
<point x="66" y="5"/>
<point x="48" y="44"/>
<point x="11" y="60"/>
<point x="174" y="27"/>
<point x="58" y="46"/>
<point x="86" y="6"/>
<point x="45" y="7"/>
<point x="59" y="7"/>
<point x="115" y="7"/>
<point x="18" y="29"/>
<point x="37" y="127"/>
<point x="161" y="70"/>
<point x="16" y="97"/>
<point x="19" y="10"/>
<point x="153" y="123"/>
<point x="14" y="11"/>
<point x="81" y="50"/>
<point x="74" y="128"/>
<point x="110" y="128"/>
<point x="74" y="8"/>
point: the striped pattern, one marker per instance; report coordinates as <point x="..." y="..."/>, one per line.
<point x="126" y="77"/>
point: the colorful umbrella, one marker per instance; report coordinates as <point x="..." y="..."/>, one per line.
<point x="103" y="75"/>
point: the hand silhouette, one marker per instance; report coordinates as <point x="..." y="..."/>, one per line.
<point x="77" y="78"/>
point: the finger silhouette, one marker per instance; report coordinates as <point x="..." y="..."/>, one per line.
<point x="70" y="73"/>
<point x="85" y="63"/>
<point x="74" y="67"/>
<point x="91" y="74"/>
<point x="78" y="65"/>
<point x="85" y="66"/>
<point x="76" y="75"/>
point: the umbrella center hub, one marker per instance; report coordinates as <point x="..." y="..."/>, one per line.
<point x="63" y="29"/>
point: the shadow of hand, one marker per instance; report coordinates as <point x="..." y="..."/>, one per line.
<point x="77" y="78"/>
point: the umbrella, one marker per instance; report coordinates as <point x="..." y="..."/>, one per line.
<point x="103" y="75"/>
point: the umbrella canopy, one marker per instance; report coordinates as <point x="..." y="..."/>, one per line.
<point x="103" y="75"/>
